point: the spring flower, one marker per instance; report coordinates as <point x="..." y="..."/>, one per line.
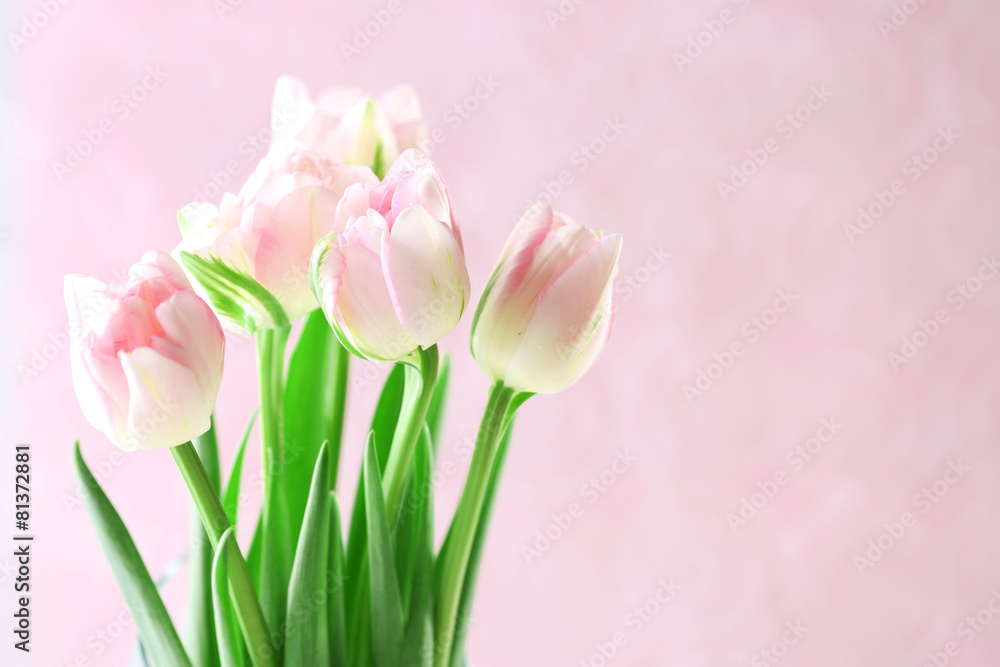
<point x="345" y="124"/>
<point x="392" y="278"/>
<point x="545" y="314"/>
<point x="146" y="356"/>
<point x="265" y="233"/>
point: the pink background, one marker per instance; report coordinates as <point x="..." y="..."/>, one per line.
<point x="665" y="517"/>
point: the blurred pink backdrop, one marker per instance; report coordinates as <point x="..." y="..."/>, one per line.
<point x="732" y="143"/>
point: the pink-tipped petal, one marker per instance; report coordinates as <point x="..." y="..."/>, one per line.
<point x="428" y="278"/>
<point x="569" y="325"/>
<point x="366" y="308"/>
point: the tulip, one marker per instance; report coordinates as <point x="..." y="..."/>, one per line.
<point x="266" y="232"/>
<point x="345" y="124"/>
<point x="146" y="355"/>
<point x="545" y="314"/>
<point x="394" y="279"/>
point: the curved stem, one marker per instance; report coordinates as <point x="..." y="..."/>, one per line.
<point x="213" y="516"/>
<point x="463" y="530"/>
<point x="404" y="440"/>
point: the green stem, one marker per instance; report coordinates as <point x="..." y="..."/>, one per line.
<point x="463" y="530"/>
<point x="411" y="423"/>
<point x="276" y="540"/>
<point x="342" y="366"/>
<point x="213" y="516"/>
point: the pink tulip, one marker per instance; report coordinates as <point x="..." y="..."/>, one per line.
<point x="146" y="356"/>
<point x="346" y="125"/>
<point x="269" y="229"/>
<point x="545" y="314"/>
<point x="395" y="278"/>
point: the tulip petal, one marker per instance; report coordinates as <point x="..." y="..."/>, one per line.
<point x="538" y="252"/>
<point x="102" y="391"/>
<point x="365" y="306"/>
<point x="167" y="406"/>
<point x="428" y="279"/>
<point x="287" y="235"/>
<point x="195" y="336"/>
<point x="87" y="303"/>
<point x="570" y="323"/>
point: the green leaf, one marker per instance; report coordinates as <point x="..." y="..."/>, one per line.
<point x="462" y="620"/>
<point x="383" y="426"/>
<point x="159" y="637"/>
<point x="254" y="552"/>
<point x="233" y="294"/>
<point x="314" y="402"/>
<point x="337" y="632"/>
<point x="227" y="626"/>
<point x="386" y="612"/>
<point x="199" y="634"/>
<point x="308" y="627"/>
<point x="231" y="499"/>
<point x="435" y="411"/>
<point x="412" y="521"/>
<point x="356" y="591"/>
<point x="417" y="579"/>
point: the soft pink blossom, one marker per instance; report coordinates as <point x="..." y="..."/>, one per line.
<point x="146" y="356"/>
<point x="394" y="278"/>
<point x="546" y="312"/>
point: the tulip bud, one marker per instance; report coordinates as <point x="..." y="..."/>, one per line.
<point x="249" y="257"/>
<point x="545" y="314"/>
<point x="146" y="356"/>
<point x="394" y="279"/>
<point x="345" y="125"/>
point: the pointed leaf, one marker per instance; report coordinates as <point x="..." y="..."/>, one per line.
<point x="418" y="649"/>
<point x="307" y="622"/>
<point x="227" y="626"/>
<point x="159" y="637"/>
<point x="337" y="632"/>
<point x="231" y="499"/>
<point x="386" y="613"/>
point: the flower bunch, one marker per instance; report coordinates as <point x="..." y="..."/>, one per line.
<point x="346" y="226"/>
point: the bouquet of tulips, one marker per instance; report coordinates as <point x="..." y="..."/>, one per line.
<point x="346" y="225"/>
